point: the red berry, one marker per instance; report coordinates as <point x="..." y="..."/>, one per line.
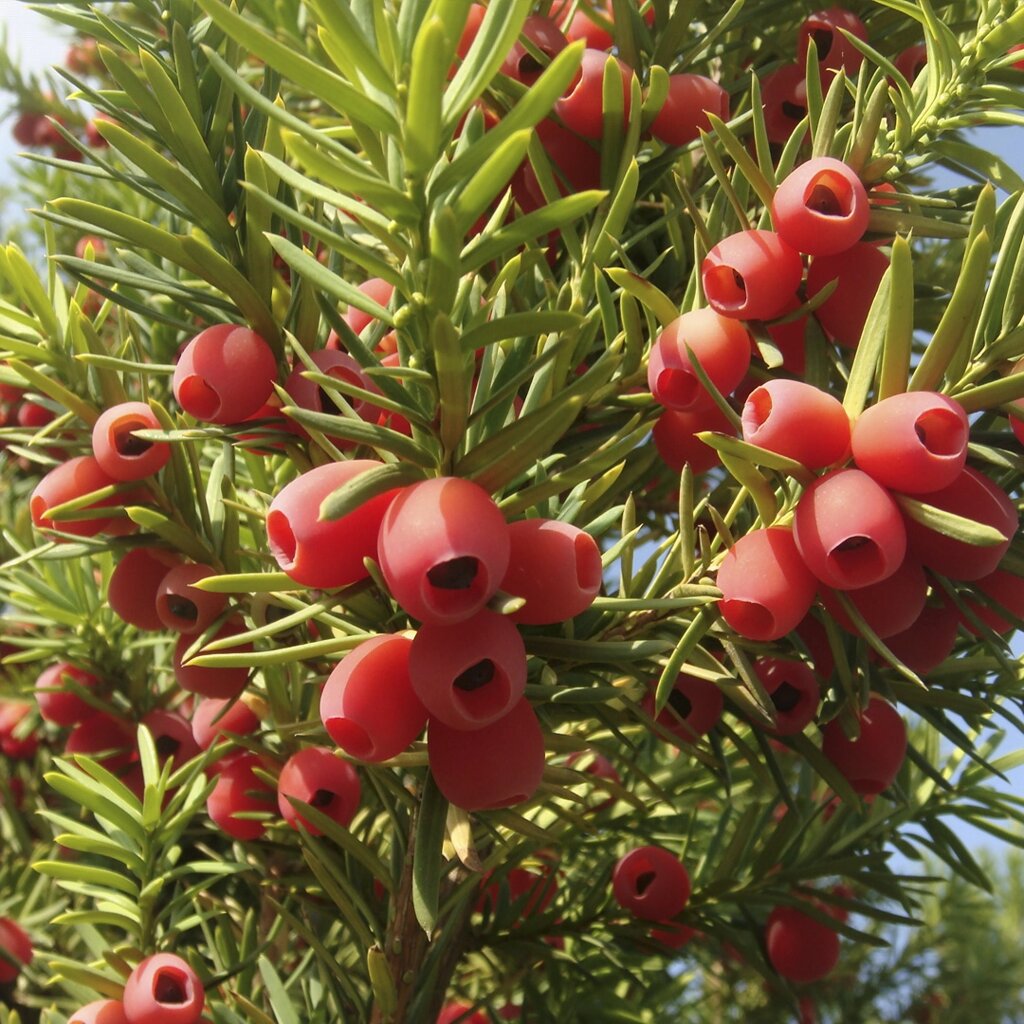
<point x="751" y="275"/>
<point x="766" y="587"/>
<point x="720" y="344"/>
<point x="324" y="553"/>
<point x="368" y="705"/>
<point x="341" y="366"/>
<point x="685" y="111"/>
<point x="316" y="776"/>
<point x="26" y="128"/>
<point x="103" y="1011"/>
<point x="799" y="947"/>
<point x="849" y="530"/>
<point x="461" y="1013"/>
<point x="834" y="50"/>
<point x="776" y="416"/>
<point x="914" y="442"/>
<point x="471" y="673"/>
<point x="651" y="883"/>
<point x="693" y="709"/>
<point x="223" y="683"/>
<point x="929" y="639"/>
<point x="72" y="479"/>
<point x="183" y="607"/>
<point x="821" y="207"/>
<point x="544" y="35"/>
<point x="239" y="790"/>
<point x="794" y="692"/>
<point x="105" y="737"/>
<point x="58" y="704"/>
<point x="972" y="495"/>
<point x="582" y="107"/>
<point x="17" y="945"/>
<point x="1005" y="590"/>
<point x="889" y="606"/>
<point x="224" y="374"/>
<point x="133" y="585"/>
<point x="213" y="718"/>
<point x="859" y="271"/>
<point x="172" y="736"/>
<point x="443" y="549"/>
<point x="675" y="436"/>
<point x="911" y="61"/>
<point x="119" y="453"/>
<point x="496" y="766"/>
<point x="555" y="566"/>
<point x="784" y="99"/>
<point x="872" y="761"/>
<point x="163" y="989"/>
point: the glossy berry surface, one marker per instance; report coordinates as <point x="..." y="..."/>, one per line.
<point x="213" y="718"/>
<point x="14" y="940"/>
<point x="776" y="416"/>
<point x="368" y="704"/>
<point x="858" y="272"/>
<point x="651" y="883"/>
<point x="555" y="566"/>
<point x="182" y="606"/>
<point x="70" y="480"/>
<point x="224" y="374"/>
<point x="721" y="346"/>
<point x="133" y="585"/>
<point x="239" y="790"/>
<point x="871" y="762"/>
<point x="915" y="442"/>
<point x="223" y="682"/>
<point x="751" y="275"/>
<point x="119" y="453"/>
<point x="499" y="765"/>
<point x="581" y="109"/>
<point x="800" y="948"/>
<point x="163" y="989"/>
<point x="443" y="549"/>
<point x="58" y="703"/>
<point x="821" y="207"/>
<point x="685" y="111"/>
<point x="318" y="552"/>
<point x="794" y="692"/>
<point x="468" y="674"/>
<point x="849" y="530"/>
<point x="693" y="709"/>
<point x="102" y="1011"/>
<point x="766" y="587"/>
<point x="316" y="776"/>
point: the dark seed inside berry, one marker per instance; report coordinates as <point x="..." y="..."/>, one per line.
<point x="786" y="697"/>
<point x="167" y="746"/>
<point x="793" y="110"/>
<point x="823" y="39"/>
<point x="852" y="544"/>
<point x="680" y="704"/>
<point x="322" y="798"/>
<point x="643" y="882"/>
<point x="169" y="989"/>
<point x="182" y="608"/>
<point x="127" y="444"/>
<point x="455" y="574"/>
<point x="475" y="676"/>
<point x="823" y="200"/>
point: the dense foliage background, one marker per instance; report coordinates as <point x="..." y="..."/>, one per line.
<point x="198" y="163"/>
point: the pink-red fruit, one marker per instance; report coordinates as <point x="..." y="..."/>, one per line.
<point x="122" y="455"/>
<point x="555" y="566"/>
<point x="497" y="766"/>
<point x="163" y="989"/>
<point x="15" y="942"/>
<point x="752" y="275"/>
<point x="800" y="948"/>
<point x="133" y="585"/>
<point x="871" y="762"/>
<point x="581" y="108"/>
<point x="720" y="344"/>
<point x="651" y="883"/>
<point x="325" y="553"/>
<point x="849" y="530"/>
<point x="57" y="702"/>
<point x="225" y="374"/>
<point x="443" y="549"/>
<point x="181" y="606"/>
<point x="685" y="111"/>
<point x="368" y="705"/>
<point x="915" y="442"/>
<point x="821" y="207"/>
<point x="103" y="1011"/>
<point x="316" y="776"/>
<point x="766" y="587"/>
